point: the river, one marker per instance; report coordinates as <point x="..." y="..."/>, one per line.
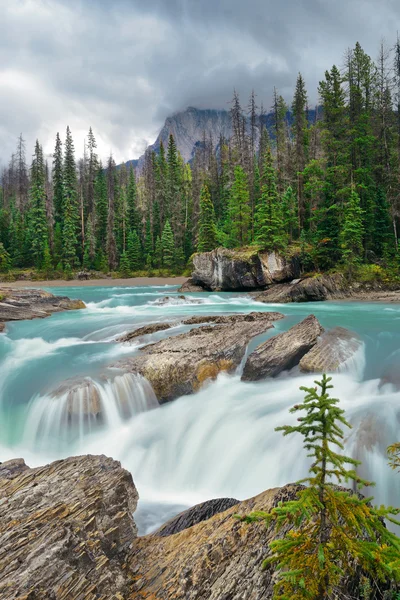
<point x="218" y="442"/>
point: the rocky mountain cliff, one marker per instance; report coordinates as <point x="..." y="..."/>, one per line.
<point x="189" y="126"/>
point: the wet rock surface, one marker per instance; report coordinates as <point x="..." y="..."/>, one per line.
<point x="180" y="365"/>
<point x="244" y="269"/>
<point x="65" y="529"/>
<point x="283" y="351"/>
<point x="17" y="304"/>
<point x="312" y="289"/>
<point x="196" y="514"/>
<point x="190" y="286"/>
<point x="145" y="330"/>
<point x="331" y="352"/>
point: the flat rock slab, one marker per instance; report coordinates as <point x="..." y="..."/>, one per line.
<point x="331" y="352"/>
<point x="180" y="365"/>
<point x="282" y="352"/>
<point x="65" y="529"/>
<point x="145" y="330"/>
<point x="312" y="289"/>
<point x="17" y="304"/>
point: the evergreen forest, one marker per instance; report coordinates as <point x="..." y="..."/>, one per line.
<point x="323" y="183"/>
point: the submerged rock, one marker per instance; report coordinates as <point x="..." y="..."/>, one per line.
<point x="312" y="289"/>
<point x="180" y="365"/>
<point x="18" y="304"/>
<point x="282" y="352"/>
<point x="331" y="352"/>
<point x="66" y="529"/>
<point x="196" y="514"/>
<point x="82" y="398"/>
<point x="243" y="269"/>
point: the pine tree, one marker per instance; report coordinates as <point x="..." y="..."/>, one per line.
<point x="134" y="253"/>
<point x="300" y="133"/>
<point x="207" y="230"/>
<point x="238" y="214"/>
<point x="111" y="247"/>
<point x="38" y="232"/>
<point x="124" y="266"/>
<point x="101" y="204"/>
<point x="335" y="533"/>
<point x="93" y="165"/>
<point x="70" y="205"/>
<point x="89" y="254"/>
<point x="351" y="235"/>
<point x="269" y="230"/>
<point x="168" y="246"/>
<point x="133" y="217"/>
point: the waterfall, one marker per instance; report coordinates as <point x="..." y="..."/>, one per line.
<point x="78" y="408"/>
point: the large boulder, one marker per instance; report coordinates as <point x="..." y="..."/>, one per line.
<point x="180" y="365"/>
<point x="244" y="269"/>
<point x="335" y="348"/>
<point x="66" y="529"/>
<point x="311" y="289"/>
<point x="282" y="352"/>
<point x="17" y="304"/>
<point x="67" y="533"/>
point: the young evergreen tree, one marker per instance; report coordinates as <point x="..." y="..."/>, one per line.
<point x="124" y="265"/>
<point x="351" y="235"/>
<point x="5" y="259"/>
<point x="158" y="254"/>
<point x="134" y="253"/>
<point x="269" y="229"/>
<point x="168" y="246"/>
<point x="207" y="230"/>
<point x="238" y="213"/>
<point x="334" y="533"/>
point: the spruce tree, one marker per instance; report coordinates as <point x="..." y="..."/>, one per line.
<point x="101" y="204"/>
<point x="58" y="184"/>
<point x="158" y="254"/>
<point x="38" y="231"/>
<point x="168" y="246"/>
<point x="70" y="205"/>
<point x="351" y="234"/>
<point x="269" y="229"/>
<point x="133" y="217"/>
<point x="124" y="265"/>
<point x="5" y="259"/>
<point x="111" y="246"/>
<point x="134" y="251"/>
<point x="238" y="214"/>
<point x="334" y="532"/>
<point x="207" y="230"/>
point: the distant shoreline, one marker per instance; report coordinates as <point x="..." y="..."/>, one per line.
<point x="131" y="282"/>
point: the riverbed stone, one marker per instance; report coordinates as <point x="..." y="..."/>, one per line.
<point x="282" y="352"/>
<point x="144" y="330"/>
<point x="17" y="304"/>
<point x="182" y="364"/>
<point x="242" y="269"/>
<point x="331" y="352"/>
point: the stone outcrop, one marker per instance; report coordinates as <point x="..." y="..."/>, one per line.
<point x="65" y="529"/>
<point x="196" y="514"/>
<point x="282" y="352"/>
<point x="190" y="286"/>
<point x="17" y="304"/>
<point x="331" y="352"/>
<point x="82" y="399"/>
<point x="243" y="269"/>
<point x="67" y="533"/>
<point x="312" y="289"/>
<point x="180" y="365"/>
<point x="144" y="330"/>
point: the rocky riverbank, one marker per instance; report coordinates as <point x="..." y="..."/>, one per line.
<point x="18" y="304"/>
<point x="67" y="532"/>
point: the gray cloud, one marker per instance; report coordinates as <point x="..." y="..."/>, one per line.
<point x="123" y="66"/>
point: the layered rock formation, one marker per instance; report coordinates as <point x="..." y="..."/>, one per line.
<point x="312" y="289"/>
<point x="66" y="529"/>
<point x="17" y="304"/>
<point x="282" y="352"/>
<point x="180" y="365"/>
<point x="144" y="330"/>
<point x="67" y="533"/>
<point x="331" y="352"/>
<point x="243" y="269"/>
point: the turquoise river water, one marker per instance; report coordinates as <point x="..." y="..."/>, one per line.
<point x="218" y="442"/>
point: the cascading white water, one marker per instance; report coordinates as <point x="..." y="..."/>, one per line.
<point x="81" y="408"/>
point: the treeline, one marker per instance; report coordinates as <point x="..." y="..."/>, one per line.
<point x="328" y="186"/>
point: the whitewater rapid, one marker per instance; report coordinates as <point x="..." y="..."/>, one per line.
<point x="218" y="442"/>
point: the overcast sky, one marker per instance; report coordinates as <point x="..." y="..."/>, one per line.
<point x="122" y="66"/>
